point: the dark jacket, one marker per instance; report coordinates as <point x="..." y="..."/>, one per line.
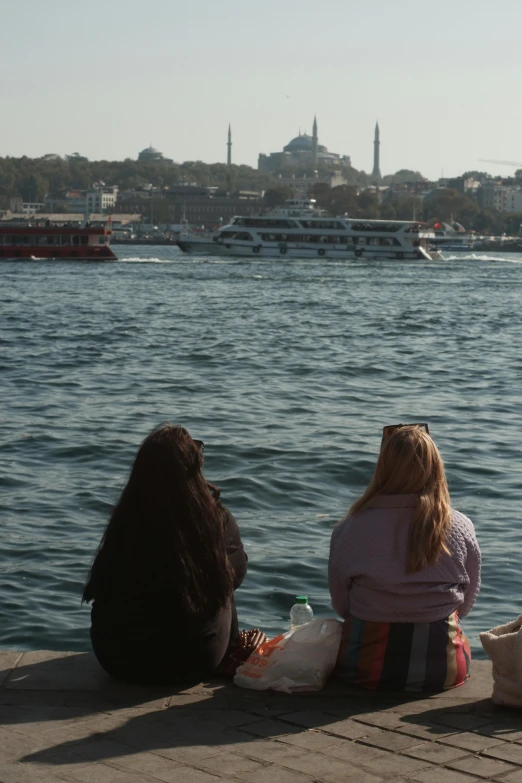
<point x="150" y="640"/>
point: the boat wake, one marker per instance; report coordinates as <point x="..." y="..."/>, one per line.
<point x="483" y="257"/>
<point x="136" y="260"/>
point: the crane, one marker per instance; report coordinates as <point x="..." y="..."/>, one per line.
<point x="502" y="162"/>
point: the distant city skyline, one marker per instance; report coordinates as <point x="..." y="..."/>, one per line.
<point x="442" y="86"/>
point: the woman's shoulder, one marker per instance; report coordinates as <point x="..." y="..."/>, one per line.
<point x="351" y="525"/>
<point x="461" y="521"/>
<point x="462" y="528"/>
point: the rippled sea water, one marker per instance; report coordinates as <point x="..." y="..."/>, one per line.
<point x="288" y="370"/>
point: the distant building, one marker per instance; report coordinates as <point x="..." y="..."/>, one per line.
<point x="152" y="155"/>
<point x="32" y="207"/>
<point x="199" y="206"/>
<point x="302" y="186"/>
<point x="93" y="200"/>
<point x="65" y="218"/>
<point x="303" y="150"/>
<point x="500" y="197"/>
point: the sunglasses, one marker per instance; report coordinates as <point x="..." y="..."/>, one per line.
<point x="199" y="444"/>
<point x="391" y="428"/>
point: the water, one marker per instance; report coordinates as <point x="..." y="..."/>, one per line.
<point x="287" y="370"/>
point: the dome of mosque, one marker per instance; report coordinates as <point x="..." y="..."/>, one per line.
<point x="150" y="153"/>
<point x="300" y="143"/>
<point x="303" y="143"/>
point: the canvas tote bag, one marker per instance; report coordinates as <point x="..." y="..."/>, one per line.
<point x="503" y="645"/>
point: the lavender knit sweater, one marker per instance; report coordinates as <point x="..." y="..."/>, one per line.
<point x="367" y="567"/>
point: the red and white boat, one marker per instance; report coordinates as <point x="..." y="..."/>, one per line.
<point x="71" y="243"/>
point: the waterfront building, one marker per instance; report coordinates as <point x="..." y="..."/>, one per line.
<point x="376" y="173"/>
<point x="303" y="150"/>
<point x="101" y="199"/>
<point x="199" y="206"/>
<point x="66" y="218"/>
<point x="301" y="186"/>
<point x="501" y="197"/>
<point x="32" y="207"/>
<point x="17" y="204"/>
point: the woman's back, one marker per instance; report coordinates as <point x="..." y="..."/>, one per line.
<point x="164" y="574"/>
<point x="403" y="566"/>
<point x="368" y="575"/>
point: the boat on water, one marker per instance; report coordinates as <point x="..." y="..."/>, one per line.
<point x="452" y="238"/>
<point x="71" y="243"/>
<point x="300" y="230"/>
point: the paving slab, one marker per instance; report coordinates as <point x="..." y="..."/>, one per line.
<point x="62" y="718"/>
<point x="8" y="661"/>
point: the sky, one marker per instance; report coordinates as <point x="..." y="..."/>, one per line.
<point x="106" y="78"/>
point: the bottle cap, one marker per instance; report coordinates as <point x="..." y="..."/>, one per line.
<point x="301" y="599"/>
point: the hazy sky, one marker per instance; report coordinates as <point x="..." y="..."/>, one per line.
<point x="107" y="78"/>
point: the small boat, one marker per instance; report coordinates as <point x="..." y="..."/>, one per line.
<point x="301" y="230"/>
<point x="71" y="243"/>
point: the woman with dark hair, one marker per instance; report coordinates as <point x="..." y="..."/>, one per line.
<point x="163" y="577"/>
<point x="404" y="567"/>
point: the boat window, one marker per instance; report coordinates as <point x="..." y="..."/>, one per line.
<point x="245" y="236"/>
<point x="308" y="238"/>
<point x="66" y="240"/>
<point x="323" y="224"/>
<point x="266" y="222"/>
<point x="386" y="241"/>
<point x="84" y="240"/>
<point x="76" y="240"/>
<point x="50" y="239"/>
<point x="382" y="228"/>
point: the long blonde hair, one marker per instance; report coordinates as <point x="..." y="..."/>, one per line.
<point x="410" y="463"/>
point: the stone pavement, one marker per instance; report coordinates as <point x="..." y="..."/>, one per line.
<point x="61" y="719"/>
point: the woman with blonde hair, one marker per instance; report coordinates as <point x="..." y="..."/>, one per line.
<point x="404" y="567"/>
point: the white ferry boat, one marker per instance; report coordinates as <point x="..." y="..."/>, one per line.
<point x="452" y="237"/>
<point x="301" y="230"/>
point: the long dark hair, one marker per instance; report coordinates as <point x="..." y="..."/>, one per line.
<point x="167" y="530"/>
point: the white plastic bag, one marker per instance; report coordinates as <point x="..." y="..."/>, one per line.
<point x="503" y="645"/>
<point x="299" y="660"/>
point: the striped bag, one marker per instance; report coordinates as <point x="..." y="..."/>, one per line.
<point x="404" y="656"/>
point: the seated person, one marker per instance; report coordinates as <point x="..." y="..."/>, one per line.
<point x="404" y="566"/>
<point x="163" y="578"/>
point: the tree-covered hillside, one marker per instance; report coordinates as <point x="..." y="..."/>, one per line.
<point x="32" y="179"/>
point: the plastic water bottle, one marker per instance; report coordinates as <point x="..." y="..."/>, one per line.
<point x="301" y="612"/>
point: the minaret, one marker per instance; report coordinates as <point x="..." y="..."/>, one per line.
<point x="315" y="143"/>
<point x="376" y="173"/>
<point x="229" y="146"/>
